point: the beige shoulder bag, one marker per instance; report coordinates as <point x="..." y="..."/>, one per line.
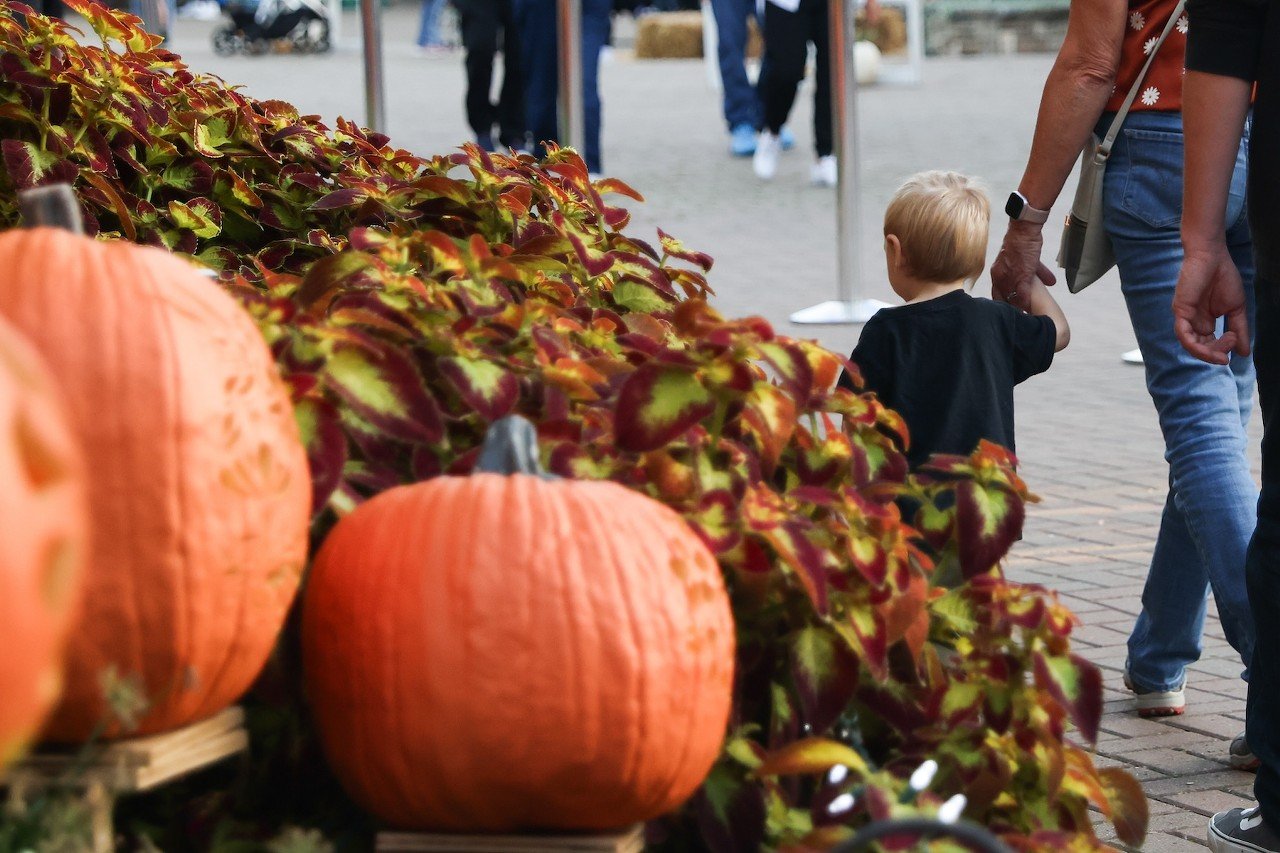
<point x="1085" y="255"/>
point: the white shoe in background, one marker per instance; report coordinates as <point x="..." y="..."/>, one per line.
<point x="825" y="172"/>
<point x="765" y="160"/>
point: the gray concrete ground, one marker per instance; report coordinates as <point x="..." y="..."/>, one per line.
<point x="1087" y="431"/>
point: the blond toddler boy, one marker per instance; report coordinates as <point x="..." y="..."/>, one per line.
<point x="947" y="361"/>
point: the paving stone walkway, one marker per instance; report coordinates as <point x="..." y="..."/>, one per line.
<point x="1087" y="432"/>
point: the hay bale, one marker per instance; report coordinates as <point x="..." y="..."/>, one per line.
<point x="890" y="32"/>
<point x="669" y="35"/>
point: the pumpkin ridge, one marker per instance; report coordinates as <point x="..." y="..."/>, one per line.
<point x="423" y="570"/>
<point x="529" y="504"/>
<point x="378" y="600"/>
<point x="575" y="576"/>
<point x="638" y="701"/>
<point x="658" y="554"/>
<point x="183" y="639"/>
<point x="699" y="672"/>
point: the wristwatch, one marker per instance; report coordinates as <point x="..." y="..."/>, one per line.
<point x="1020" y="210"/>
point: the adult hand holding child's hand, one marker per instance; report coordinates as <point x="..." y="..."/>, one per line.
<point x="1018" y="265"/>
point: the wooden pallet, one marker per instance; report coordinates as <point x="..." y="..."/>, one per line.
<point x="127" y="766"/>
<point x="624" y="841"/>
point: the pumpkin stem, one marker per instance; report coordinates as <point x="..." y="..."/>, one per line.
<point x="53" y="206"/>
<point x="511" y="447"/>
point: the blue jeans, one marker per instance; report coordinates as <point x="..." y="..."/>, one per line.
<point x="741" y="104"/>
<point x="429" y="28"/>
<point x="1210" y="512"/>
<point x="536" y="23"/>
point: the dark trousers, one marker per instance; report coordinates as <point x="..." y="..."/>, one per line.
<point x="489" y="26"/>
<point x="1262" y="566"/>
<point x="536" y="20"/>
<point x="786" y="48"/>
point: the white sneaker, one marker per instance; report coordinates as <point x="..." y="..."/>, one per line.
<point x="824" y="173"/>
<point x="765" y="160"/>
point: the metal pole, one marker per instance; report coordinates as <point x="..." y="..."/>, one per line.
<point x="374" y="93"/>
<point x="844" y="95"/>
<point x="569" y="41"/>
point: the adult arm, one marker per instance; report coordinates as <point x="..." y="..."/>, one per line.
<point x="1223" y="49"/>
<point x="1075" y="94"/>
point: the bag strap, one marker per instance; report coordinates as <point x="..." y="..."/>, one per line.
<point x="1104" y="150"/>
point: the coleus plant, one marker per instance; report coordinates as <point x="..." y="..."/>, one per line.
<point x="411" y="301"/>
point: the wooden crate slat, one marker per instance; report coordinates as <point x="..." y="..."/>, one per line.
<point x="195" y="757"/>
<point x="628" y="841"/>
<point x="141" y="763"/>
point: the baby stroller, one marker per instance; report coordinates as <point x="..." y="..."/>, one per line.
<point x="303" y="24"/>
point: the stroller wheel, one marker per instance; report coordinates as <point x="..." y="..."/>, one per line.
<point x="312" y="36"/>
<point x="320" y="37"/>
<point x="226" y="42"/>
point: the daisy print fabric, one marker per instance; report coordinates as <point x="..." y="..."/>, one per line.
<point x="1162" y="87"/>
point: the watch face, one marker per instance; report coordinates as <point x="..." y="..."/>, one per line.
<point x="1014" y="205"/>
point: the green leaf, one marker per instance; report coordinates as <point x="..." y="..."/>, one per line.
<point x="640" y="297"/>
<point x="812" y="755"/>
<point x="825" y="673"/>
<point x="1077" y="685"/>
<point x="487" y="387"/>
<point x="954" y="613"/>
<point x="200" y="216"/>
<point x="387" y="390"/>
<point x="658" y="403"/>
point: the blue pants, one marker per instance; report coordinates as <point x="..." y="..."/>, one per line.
<point x="429" y="27"/>
<point x="741" y="104"/>
<point x="536" y="22"/>
<point x="1210" y="511"/>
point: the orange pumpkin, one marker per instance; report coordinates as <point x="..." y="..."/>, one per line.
<point x="199" y="486"/>
<point x="503" y="652"/>
<point x="43" y="530"/>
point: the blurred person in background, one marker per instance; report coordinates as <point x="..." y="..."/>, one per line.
<point x="742" y="109"/>
<point x="790" y="26"/>
<point x="536" y="24"/>
<point x="429" y="37"/>
<point x="489" y="28"/>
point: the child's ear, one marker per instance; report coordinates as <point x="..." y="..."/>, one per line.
<point x="893" y="251"/>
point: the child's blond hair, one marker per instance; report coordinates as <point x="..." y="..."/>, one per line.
<point x="941" y="221"/>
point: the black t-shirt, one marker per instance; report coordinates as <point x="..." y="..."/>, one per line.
<point x="948" y="366"/>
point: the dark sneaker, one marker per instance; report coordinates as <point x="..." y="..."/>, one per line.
<point x="1242" y="831"/>
<point x="1240" y="756"/>
<point x="1159" y="703"/>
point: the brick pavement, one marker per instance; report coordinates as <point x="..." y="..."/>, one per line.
<point x="1087" y="432"/>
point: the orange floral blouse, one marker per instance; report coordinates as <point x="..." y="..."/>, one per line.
<point x="1162" y="87"/>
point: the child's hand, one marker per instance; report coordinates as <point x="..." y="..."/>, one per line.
<point x="1040" y="302"/>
